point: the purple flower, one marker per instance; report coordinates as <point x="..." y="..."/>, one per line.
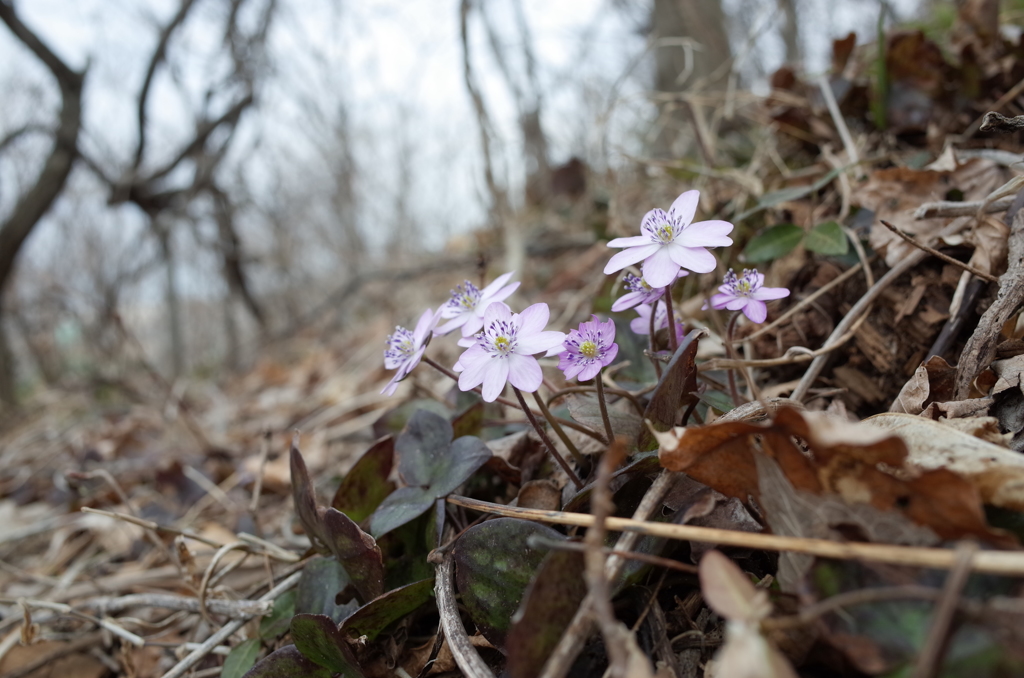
<point x="670" y="242"/>
<point x="746" y="293"/>
<point x="640" y="292"/>
<point x="588" y="349"/>
<point x="642" y="324"/>
<point x="467" y="304"/>
<point x="405" y="348"/>
<point x="504" y="350"/>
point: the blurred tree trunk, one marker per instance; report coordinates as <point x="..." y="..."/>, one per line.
<point x="174" y="318"/>
<point x="791" y="32"/>
<point x="35" y="203"/>
<point x="674" y="24"/>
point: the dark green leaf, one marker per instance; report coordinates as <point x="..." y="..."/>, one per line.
<point x="322" y="579"/>
<point x="302" y="493"/>
<point x="549" y="604"/>
<point x="773" y="243"/>
<point x="366" y="485"/>
<point x="287" y="662"/>
<point x="828" y="239"/>
<point x="674" y="391"/>
<point x="393" y="421"/>
<point x="643" y="464"/>
<point x="406" y="549"/>
<point x="276" y="623"/>
<point x="585" y="410"/>
<point x="320" y="641"/>
<point x="356" y="550"/>
<point x="433" y="467"/>
<point x="241" y="658"/>
<point x="377" y="615"/>
<point x="718" y="400"/>
<point x="403" y="505"/>
<point x="494" y="565"/>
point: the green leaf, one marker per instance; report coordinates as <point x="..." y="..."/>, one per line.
<point x="241" y="658"/>
<point x="287" y="662"/>
<point x="320" y="641"/>
<point x="377" y="615"/>
<point x="718" y="400"/>
<point x="548" y="606"/>
<point x="773" y="243"/>
<point x="494" y="565"/>
<point x="366" y="485"/>
<point x="827" y="238"/>
<point x="356" y="551"/>
<point x="431" y="465"/>
<point x="322" y="579"/>
<point x="787" y="194"/>
<point x="276" y="623"/>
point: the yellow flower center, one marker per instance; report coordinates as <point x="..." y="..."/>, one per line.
<point x="502" y="344"/>
<point x="589" y="349"/>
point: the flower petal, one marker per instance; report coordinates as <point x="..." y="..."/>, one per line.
<point x="640" y="325"/>
<point x="685" y="206"/>
<point x="539" y="342"/>
<point x="627" y="301"/>
<point x="497" y="310"/>
<point x="706" y="234"/>
<point x="756" y="311"/>
<point x="769" y="293"/>
<point x="573" y="370"/>
<point x="472" y="363"/>
<point x="630" y="256"/>
<point x="495" y="284"/>
<point x="697" y="259"/>
<point x="392" y="386"/>
<point x="660" y="269"/>
<point x="590" y="370"/>
<point x="633" y="241"/>
<point x="609" y="355"/>
<point x="718" y="301"/>
<point x="524" y="372"/>
<point x="426" y="323"/>
<point x="495" y="376"/>
<point x="738" y="303"/>
<point x="533" y="319"/>
<point x="504" y="293"/>
<point x="453" y="324"/>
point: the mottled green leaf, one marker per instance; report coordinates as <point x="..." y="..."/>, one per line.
<point x="787" y="194"/>
<point x="241" y="658"/>
<point x="718" y="400"/>
<point x="366" y="485"/>
<point x="276" y="623"/>
<point x="828" y="239"/>
<point x="549" y="604"/>
<point x="356" y="551"/>
<point x="377" y="615"/>
<point x="494" y="565"/>
<point x="773" y="243"/>
<point x="287" y="662"/>
<point x="319" y="640"/>
<point x="469" y="422"/>
<point x="322" y="579"/>
<point x="431" y="465"/>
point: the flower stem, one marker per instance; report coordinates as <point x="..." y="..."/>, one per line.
<point x="585" y="430"/>
<point x="734" y="392"/>
<point x="673" y="340"/>
<point x="604" y="408"/>
<point x="657" y="363"/>
<point x="573" y="450"/>
<point x="547" y="441"/>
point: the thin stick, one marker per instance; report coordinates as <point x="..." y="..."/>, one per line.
<point x="657" y="363"/>
<point x="258" y="485"/>
<point x="466" y="656"/>
<point x="108" y="624"/>
<point x="658" y="561"/>
<point x="604" y="407"/>
<point x="945" y="209"/>
<point x="1008" y="563"/>
<point x="837" y="117"/>
<point x="806" y="301"/>
<point x="227" y="631"/>
<point x="547" y="441"/>
<point x="935" y="253"/>
<point x="586" y="430"/>
<point x="573" y="450"/>
<point x="850" y="599"/>
<point x="935" y="645"/>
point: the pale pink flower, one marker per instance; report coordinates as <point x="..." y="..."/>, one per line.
<point x="588" y="349"/>
<point x="405" y="349"/>
<point x="670" y="242"/>
<point x="746" y="293"/>
<point x="504" y="350"/>
<point x="640" y="292"/>
<point x="468" y="303"/>
<point x="642" y="324"/>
